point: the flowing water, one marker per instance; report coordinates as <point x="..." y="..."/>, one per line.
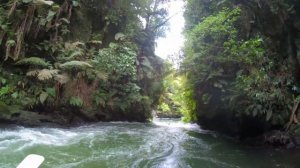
<point x="162" y="144"/>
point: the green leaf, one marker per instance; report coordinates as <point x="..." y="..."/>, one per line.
<point x="51" y="92"/>
<point x="15" y="95"/>
<point x="50" y="15"/>
<point x="43" y="97"/>
<point x="10" y="43"/>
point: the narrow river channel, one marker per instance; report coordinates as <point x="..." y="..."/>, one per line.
<point x="165" y="143"/>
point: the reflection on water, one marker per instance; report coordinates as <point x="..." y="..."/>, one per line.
<point x="165" y="143"/>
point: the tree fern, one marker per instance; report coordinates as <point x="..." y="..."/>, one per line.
<point x="44" y="74"/>
<point x="36" y="61"/>
<point x="78" y="65"/>
<point x="33" y="73"/>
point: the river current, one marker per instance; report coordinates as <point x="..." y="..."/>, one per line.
<point x="164" y="143"/>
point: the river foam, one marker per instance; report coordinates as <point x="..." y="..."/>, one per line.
<point x="165" y="143"/>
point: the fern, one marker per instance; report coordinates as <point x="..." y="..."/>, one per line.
<point x="93" y="74"/>
<point x="95" y="42"/>
<point x="75" y="54"/>
<point x="101" y="75"/>
<point x="44" y="74"/>
<point x="36" y="61"/>
<point x="79" y="65"/>
<point x="43" y="2"/>
<point x="33" y="73"/>
<point x="4" y="90"/>
<point x="76" y="101"/>
<point x="73" y="45"/>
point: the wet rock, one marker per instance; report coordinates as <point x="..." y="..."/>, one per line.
<point x="277" y="138"/>
<point x="167" y="115"/>
<point x="28" y="118"/>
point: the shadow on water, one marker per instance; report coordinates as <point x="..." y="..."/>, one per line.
<point x="211" y="150"/>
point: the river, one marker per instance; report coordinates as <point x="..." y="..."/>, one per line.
<point x="165" y="143"/>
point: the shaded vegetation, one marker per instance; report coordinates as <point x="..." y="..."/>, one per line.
<point x="80" y="60"/>
<point x="242" y="61"/>
<point x="177" y="99"/>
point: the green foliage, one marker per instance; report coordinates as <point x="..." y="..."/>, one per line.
<point x="164" y="107"/>
<point x="34" y="61"/>
<point x="231" y="73"/>
<point x="76" y="101"/>
<point x="97" y="70"/>
<point x="118" y="59"/>
<point x="4" y="91"/>
<point x="177" y="97"/>
<point x="75" y="65"/>
<point x="44" y="74"/>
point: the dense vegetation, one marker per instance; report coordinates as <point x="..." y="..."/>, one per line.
<point x="242" y="61"/>
<point x="79" y="60"/>
<point x="177" y="98"/>
<point x="70" y="61"/>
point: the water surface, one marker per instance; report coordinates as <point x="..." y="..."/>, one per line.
<point x="162" y="144"/>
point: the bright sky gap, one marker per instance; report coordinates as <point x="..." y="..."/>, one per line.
<point x="174" y="39"/>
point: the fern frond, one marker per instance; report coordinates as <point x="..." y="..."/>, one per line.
<point x="46" y="74"/>
<point x="43" y="2"/>
<point x="33" y="61"/>
<point x="95" y="42"/>
<point x="74" y="54"/>
<point x="74" y="45"/>
<point x="77" y="43"/>
<point x="79" y="65"/>
<point x="101" y="75"/>
<point x="43" y="74"/>
<point x="33" y="72"/>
